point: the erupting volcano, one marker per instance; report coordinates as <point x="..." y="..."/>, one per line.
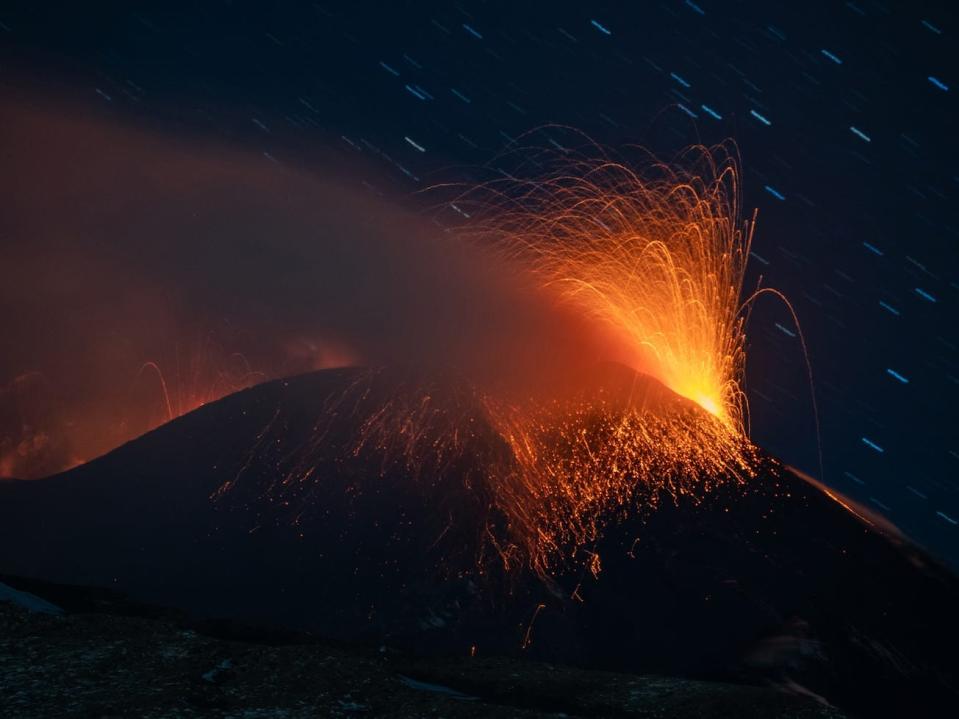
<point x="654" y="258"/>
<point x="597" y="502"/>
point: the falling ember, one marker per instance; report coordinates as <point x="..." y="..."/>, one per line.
<point x="655" y="258"/>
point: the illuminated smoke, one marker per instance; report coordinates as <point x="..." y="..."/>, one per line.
<point x="126" y="246"/>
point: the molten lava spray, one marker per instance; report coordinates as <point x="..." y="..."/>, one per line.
<point x="657" y="255"/>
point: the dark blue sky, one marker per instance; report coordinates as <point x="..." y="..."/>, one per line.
<point x="844" y="114"/>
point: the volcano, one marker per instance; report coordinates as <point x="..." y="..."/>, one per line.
<point x="772" y="580"/>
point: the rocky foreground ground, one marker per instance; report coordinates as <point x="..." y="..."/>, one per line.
<point x="105" y="660"/>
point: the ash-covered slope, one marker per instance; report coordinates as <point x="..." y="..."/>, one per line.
<point x="773" y="580"/>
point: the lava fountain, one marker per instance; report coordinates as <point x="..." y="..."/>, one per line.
<point x="657" y="255"/>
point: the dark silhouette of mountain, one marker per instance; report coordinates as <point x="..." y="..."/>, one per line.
<point x="272" y="506"/>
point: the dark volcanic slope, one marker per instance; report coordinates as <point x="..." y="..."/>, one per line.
<point x="775" y="581"/>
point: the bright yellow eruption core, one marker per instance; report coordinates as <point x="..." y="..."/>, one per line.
<point x="710" y="405"/>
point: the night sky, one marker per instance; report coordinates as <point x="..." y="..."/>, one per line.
<point x="844" y="115"/>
